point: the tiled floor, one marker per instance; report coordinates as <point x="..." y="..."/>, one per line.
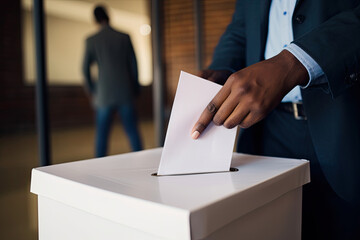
<point x="19" y="154"/>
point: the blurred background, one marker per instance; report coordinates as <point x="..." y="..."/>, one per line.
<point x="186" y="34"/>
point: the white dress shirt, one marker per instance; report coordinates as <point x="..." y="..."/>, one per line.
<point x="280" y="36"/>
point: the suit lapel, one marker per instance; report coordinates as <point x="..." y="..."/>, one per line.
<point x="297" y="5"/>
<point x="257" y="18"/>
<point x="264" y="24"/>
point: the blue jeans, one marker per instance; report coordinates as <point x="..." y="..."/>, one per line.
<point x="104" y="117"/>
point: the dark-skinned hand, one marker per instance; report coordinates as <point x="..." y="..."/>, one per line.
<point x="251" y="93"/>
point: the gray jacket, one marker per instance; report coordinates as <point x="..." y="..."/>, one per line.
<point x="118" y="77"/>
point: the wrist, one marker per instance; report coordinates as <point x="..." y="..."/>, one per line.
<point x="297" y="72"/>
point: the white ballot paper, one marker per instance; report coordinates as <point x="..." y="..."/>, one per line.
<point x="212" y="151"/>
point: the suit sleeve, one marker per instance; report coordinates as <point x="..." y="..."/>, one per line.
<point x="133" y="69"/>
<point x="335" y="46"/>
<point x="229" y="54"/>
<point x="87" y="61"/>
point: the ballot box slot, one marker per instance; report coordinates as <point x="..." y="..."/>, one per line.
<point x="230" y="170"/>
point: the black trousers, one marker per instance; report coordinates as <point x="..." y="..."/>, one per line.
<point x="325" y="215"/>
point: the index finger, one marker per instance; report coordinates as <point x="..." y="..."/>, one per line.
<point x="208" y="114"/>
<point x="204" y="120"/>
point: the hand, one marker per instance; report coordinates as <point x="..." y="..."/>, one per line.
<point x="216" y="76"/>
<point x="251" y="93"/>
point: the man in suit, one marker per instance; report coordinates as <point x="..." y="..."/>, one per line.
<point x="117" y="83"/>
<point x="302" y="101"/>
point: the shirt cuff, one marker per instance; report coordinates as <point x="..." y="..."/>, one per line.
<point x="312" y="67"/>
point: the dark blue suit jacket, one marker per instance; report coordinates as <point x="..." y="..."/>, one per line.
<point x="329" y="31"/>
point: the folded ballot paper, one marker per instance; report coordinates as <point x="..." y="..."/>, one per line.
<point x="212" y="151"/>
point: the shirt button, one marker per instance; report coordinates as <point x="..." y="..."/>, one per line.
<point x="300" y="19"/>
<point x="285" y="13"/>
<point x="354" y="77"/>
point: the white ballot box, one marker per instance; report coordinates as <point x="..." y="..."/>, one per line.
<point x="117" y="197"/>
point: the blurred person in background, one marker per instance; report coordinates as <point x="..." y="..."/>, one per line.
<point x="117" y="84"/>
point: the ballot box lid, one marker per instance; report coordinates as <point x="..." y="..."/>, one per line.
<point x="122" y="189"/>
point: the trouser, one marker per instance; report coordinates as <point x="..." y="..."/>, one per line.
<point x="104" y="116"/>
<point x="325" y="214"/>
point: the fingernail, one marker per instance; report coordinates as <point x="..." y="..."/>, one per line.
<point x="195" y="135"/>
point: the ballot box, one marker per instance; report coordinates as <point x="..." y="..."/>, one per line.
<point x="120" y="197"/>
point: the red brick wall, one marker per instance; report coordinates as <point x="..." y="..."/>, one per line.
<point x="179" y="45"/>
<point x="179" y="36"/>
<point x="16" y="100"/>
<point x="217" y="15"/>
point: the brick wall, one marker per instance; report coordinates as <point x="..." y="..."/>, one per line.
<point x="16" y="100"/>
<point x="179" y="36"/>
<point x="217" y="15"/>
<point x="179" y="45"/>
